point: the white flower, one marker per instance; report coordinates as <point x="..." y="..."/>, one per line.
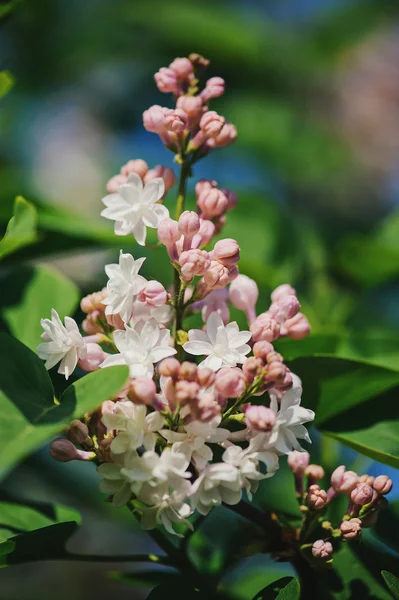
<point x="224" y="346"/>
<point x="135" y="428"/>
<point x="134" y="207"/>
<point x="247" y="462"/>
<point x="165" y="507"/>
<point x="123" y="286"/>
<point x="290" y="419"/>
<point x="191" y="440"/>
<point x="61" y="343"/>
<point x="143" y="312"/>
<point x="114" y="482"/>
<point x="218" y="482"/>
<point x="140" y="348"/>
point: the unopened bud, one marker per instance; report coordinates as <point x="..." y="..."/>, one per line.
<point x="265" y="329"/>
<point x="154" y="119"/>
<point x="259" y="418"/>
<point x="362" y="494"/>
<point x="206" y="377"/>
<point x="230" y="382"/>
<point x="262" y="349"/>
<point x="351" y="529"/>
<point x="63" y="451"/>
<point x="298" y="461"/>
<point x="252" y="368"/>
<point x="322" y="550"/>
<point x="138" y="166"/>
<point x="93" y="358"/>
<point x="316" y="498"/>
<point x="369" y="479"/>
<point x="314" y="473"/>
<point x="169" y="367"/>
<point x="78" y="433"/>
<point x="211" y="123"/>
<point x="281" y="291"/>
<point x="188" y="371"/>
<point x="244" y="295"/>
<point x="343" y="481"/>
<point x="142" y="390"/>
<point x="154" y="294"/>
<point x="382" y="484"/>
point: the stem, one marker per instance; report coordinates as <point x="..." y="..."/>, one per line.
<point x="181" y="193"/>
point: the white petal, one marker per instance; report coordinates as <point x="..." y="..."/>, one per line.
<point x="114" y="359"/>
<point x="161" y="211"/>
<point x="212" y="362"/>
<point x="150" y="218"/>
<point x="213" y="323"/>
<point x="140" y="232"/>
<point x="239" y="339"/>
<point x="161" y="352"/>
<point x="153" y="190"/>
<point x="198" y="348"/>
<point x="197" y="335"/>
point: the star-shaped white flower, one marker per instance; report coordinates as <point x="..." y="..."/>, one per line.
<point x="165" y="507"/>
<point x="224" y="345"/>
<point x="218" y="482"/>
<point x="290" y="419"/>
<point x="143" y="312"/>
<point x="140" y="348"/>
<point x="192" y="440"/>
<point x="123" y="286"/>
<point x="247" y="462"/>
<point x="61" y="343"/>
<point x="135" y="428"/>
<point x="134" y="207"/>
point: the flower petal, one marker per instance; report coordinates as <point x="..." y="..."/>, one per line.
<point x="197" y="348"/>
<point x="213" y="323"/>
<point x="140" y="232"/>
<point x="153" y="191"/>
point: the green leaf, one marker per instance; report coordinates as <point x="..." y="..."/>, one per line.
<point x="29" y="295"/>
<point x="21" y="229"/>
<point x="286" y="588"/>
<point x="6" y="79"/>
<point x="147" y="577"/>
<point x="36" y="532"/>
<point x="29" y="414"/>
<point x="392" y="582"/>
<point x="93" y="389"/>
<point x="178" y="591"/>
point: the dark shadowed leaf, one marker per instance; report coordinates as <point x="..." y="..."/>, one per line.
<point x="286" y="588"/>
<point x="21" y="229"/>
<point x="392" y="582"/>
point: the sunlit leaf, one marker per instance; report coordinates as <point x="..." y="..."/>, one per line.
<point x="21" y="229"/>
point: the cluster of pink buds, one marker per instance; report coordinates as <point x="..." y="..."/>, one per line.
<point x="267" y="369"/>
<point x="146" y="174"/>
<point x="282" y="319"/>
<point x="366" y="496"/>
<point x="190" y="126"/>
<point x="190" y="389"/>
<point x="213" y="203"/>
<point x="92" y="305"/>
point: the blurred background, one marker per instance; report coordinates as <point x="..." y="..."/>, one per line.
<point x="313" y="88"/>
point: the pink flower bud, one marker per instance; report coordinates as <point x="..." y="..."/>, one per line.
<point x="193" y="263"/>
<point x="243" y="294"/>
<point x="369" y="479"/>
<point x="154" y="294"/>
<point x="78" y="433"/>
<point x="206" y="231"/>
<point x="206" y="377"/>
<point x="226" y="136"/>
<point x="265" y="329"/>
<point x="142" y="390"/>
<point x="169" y="367"/>
<point x="154" y="119"/>
<point x="186" y="391"/>
<point x="252" y="368"/>
<point x="322" y="550"/>
<point x="189" y="224"/>
<point x="281" y="291"/>
<point x="214" y="88"/>
<point x="231" y="198"/>
<point x="314" y="473"/>
<point x="138" y="166"/>
<point x="382" y="484"/>
<point x="316" y="498"/>
<point x="343" y="481"/>
<point x="282" y="385"/>
<point x="63" y="451"/>
<point x="192" y="106"/>
<point x="212" y="202"/>
<point x="166" y="80"/>
<point x="298" y="461"/>
<point x="211" y="123"/>
<point x="168" y="232"/>
<point x="94" y="357"/>
<point x="259" y="418"/>
<point x="108" y="407"/>
<point x="230" y="382"/>
<point x="296" y="328"/>
<point x="176" y="121"/>
<point x="115" y="182"/>
<point x="93" y="302"/>
<point x="227" y="252"/>
<point x="352" y="529"/>
<point x="262" y="349"/>
<point x="284" y="309"/>
<point x="188" y="371"/>
<point x="166" y="173"/>
<point x="362" y="494"/>
<point x="115" y="321"/>
<point x="217" y="276"/>
<point x="183" y="67"/>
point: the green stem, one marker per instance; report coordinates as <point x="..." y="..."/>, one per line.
<point x="181" y="193"/>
